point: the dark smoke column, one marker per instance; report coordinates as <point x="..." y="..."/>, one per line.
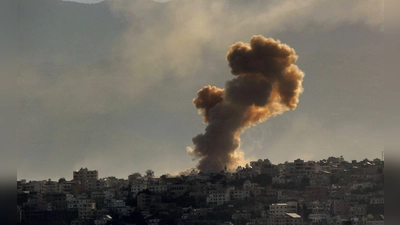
<point x="267" y="83"/>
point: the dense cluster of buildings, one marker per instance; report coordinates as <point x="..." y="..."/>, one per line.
<point x="330" y="191"/>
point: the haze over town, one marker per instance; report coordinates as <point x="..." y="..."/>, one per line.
<point x="110" y="85"/>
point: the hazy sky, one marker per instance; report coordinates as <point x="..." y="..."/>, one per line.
<point x="85" y="1"/>
<point x="110" y="86"/>
<point x="97" y="1"/>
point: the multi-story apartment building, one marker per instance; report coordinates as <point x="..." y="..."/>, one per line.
<point x="280" y="209"/>
<point x="178" y="189"/>
<point x="299" y="168"/>
<point x="320" y="178"/>
<point x="52" y="187"/>
<point x="34" y="186"/>
<point x="318" y="218"/>
<point x="87" y="178"/>
<point x="265" y="167"/>
<point x="219" y="197"/>
<point x="145" y="201"/>
<point x="84" y="174"/>
<point x="288" y="218"/>
<point x="240" y="194"/>
<point x="58" y="201"/>
<point x="85" y="207"/>
<point x="157" y="188"/>
<point x="137" y="187"/>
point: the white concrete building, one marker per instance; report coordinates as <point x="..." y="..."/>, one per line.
<point x="157" y="188"/>
<point x="218" y="197"/>
<point x="138" y="187"/>
<point x="280" y="209"/>
<point x="240" y="194"/>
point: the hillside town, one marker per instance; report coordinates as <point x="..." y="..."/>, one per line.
<point x="331" y="191"/>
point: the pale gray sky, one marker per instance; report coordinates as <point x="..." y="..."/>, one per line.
<point x="110" y="86"/>
<point x="84" y="1"/>
<point x="97" y="1"/>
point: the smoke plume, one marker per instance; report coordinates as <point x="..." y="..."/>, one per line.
<point x="267" y="83"/>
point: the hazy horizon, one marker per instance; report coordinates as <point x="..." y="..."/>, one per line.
<point x="109" y="86"/>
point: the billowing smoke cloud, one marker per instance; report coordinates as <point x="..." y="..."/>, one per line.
<point x="267" y="83"/>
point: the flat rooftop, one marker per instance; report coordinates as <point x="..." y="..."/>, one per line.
<point x="293" y="215"/>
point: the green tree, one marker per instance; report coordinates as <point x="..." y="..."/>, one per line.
<point x="149" y="173"/>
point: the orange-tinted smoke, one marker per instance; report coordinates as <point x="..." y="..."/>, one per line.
<point x="207" y="98"/>
<point x="271" y="59"/>
<point x="267" y="83"/>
